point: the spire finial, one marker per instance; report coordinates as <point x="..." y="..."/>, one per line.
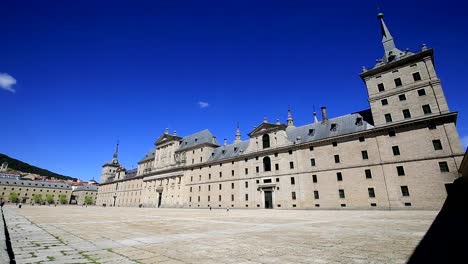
<point x="238" y="134"/>
<point x="387" y="41"/>
<point x="290" y="119"/>
<point x="265" y="120"/>
<point x="116" y="153"/>
<point x="166" y="131"/>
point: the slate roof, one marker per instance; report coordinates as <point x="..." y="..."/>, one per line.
<point x="87" y="188"/>
<point x="199" y="138"/>
<point x="38" y="184"/>
<point x="229" y="151"/>
<point x="150" y="155"/>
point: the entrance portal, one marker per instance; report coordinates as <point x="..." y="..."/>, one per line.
<point x="159" y="199"/>
<point x="268" y="200"/>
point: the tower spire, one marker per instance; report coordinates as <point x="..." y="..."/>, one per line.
<point x="238" y="134"/>
<point x="391" y="51"/>
<point x="290" y="118"/>
<point x="116" y="153"/>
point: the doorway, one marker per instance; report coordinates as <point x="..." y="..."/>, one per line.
<point x="268" y="200"/>
<point x="159" y="199"/>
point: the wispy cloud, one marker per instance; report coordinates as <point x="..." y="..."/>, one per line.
<point x="203" y="104"/>
<point x="6" y="82"/>
<point x="464" y="141"/>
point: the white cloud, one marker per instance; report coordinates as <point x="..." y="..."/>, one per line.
<point x="6" y="82"/>
<point x="203" y="104"/>
<point x="464" y="141"/>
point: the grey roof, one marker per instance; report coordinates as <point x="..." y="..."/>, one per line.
<point x="131" y="173"/>
<point x="199" y="138"/>
<point x="229" y="151"/>
<point x="150" y="155"/>
<point x="39" y="184"/>
<point x="344" y="125"/>
<point x="87" y="188"/>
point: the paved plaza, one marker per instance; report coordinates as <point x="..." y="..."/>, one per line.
<point x="67" y="234"/>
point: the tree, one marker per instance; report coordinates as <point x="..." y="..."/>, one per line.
<point x="88" y="200"/>
<point x="14" y="197"/>
<point x="49" y="198"/>
<point x="38" y="198"/>
<point x="63" y="199"/>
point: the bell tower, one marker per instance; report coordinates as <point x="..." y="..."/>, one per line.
<point x="110" y="168"/>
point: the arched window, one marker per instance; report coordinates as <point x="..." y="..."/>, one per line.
<point x="266" y="141"/>
<point x="266" y="164"/>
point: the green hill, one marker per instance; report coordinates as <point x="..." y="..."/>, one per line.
<point x="26" y="168"/>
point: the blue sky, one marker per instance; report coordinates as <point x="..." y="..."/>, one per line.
<point x="89" y="73"/>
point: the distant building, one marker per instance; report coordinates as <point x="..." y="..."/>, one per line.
<point x="32" y="192"/>
<point x="404" y="152"/>
<point x="82" y="194"/>
<point x="4" y="167"/>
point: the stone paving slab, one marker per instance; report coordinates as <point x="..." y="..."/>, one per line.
<point x="70" y="234"/>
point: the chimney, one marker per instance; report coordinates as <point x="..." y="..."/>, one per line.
<point x="225" y="142"/>
<point x="324" y="114"/>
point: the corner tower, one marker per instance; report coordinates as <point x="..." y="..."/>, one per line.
<point x="110" y="168"/>
<point x="403" y="85"/>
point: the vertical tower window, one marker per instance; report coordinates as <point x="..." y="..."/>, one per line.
<point x="400" y="171"/>
<point x="371" y="192"/>
<point x="316" y="195"/>
<point x="421" y="92"/>
<point x="381" y="87"/>
<point x="397" y="82"/>
<point x="341" y="193"/>
<point x="312" y="162"/>
<point x="443" y="166"/>
<point x="293" y="181"/>
<point x="388" y="118"/>
<point x="396" y="150"/>
<point x="364" y="155"/>
<point x="368" y="173"/>
<point x="266" y="164"/>
<point x="402" y="97"/>
<point x="404" y="191"/>
<point x="426" y="109"/>
<point x="384" y="102"/>
<point x="314" y="178"/>
<point x="416" y="76"/>
<point x="266" y="141"/>
<point x="437" y="144"/>
<point x="293" y="195"/>
<point x="406" y="113"/>
<point x="339" y="176"/>
<point x="337" y="158"/>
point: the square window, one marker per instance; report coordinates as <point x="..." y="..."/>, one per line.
<point x="426" y="109"/>
<point x="443" y="166"/>
<point x="276" y="155"/>
<point x="406" y="113"/>
<point x="337" y="158"/>
<point x="311" y="132"/>
<point x="368" y="173"/>
<point x="314" y="178"/>
<point x="397" y="82"/>
<point x="312" y="162"/>
<point x="364" y="155"/>
<point x="391" y="133"/>
<point x="400" y="171"/>
<point x="341" y="193"/>
<point x="335" y="143"/>
<point x="362" y="139"/>
<point x="388" y="118"/>
<point x="316" y="195"/>
<point x="381" y="87"/>
<point x="311" y="148"/>
<point x="333" y="127"/>
<point x="371" y="192"/>
<point x="396" y="150"/>
<point x="416" y="76"/>
<point x="421" y="92"/>
<point x="339" y="176"/>
<point x="404" y="191"/>
<point x="290" y="152"/>
<point x="384" y="101"/>
<point x="277" y="179"/>
<point x="437" y="144"/>
<point x="402" y="97"/>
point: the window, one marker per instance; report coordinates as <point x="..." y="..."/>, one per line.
<point x="426" y="109"/>
<point x="388" y="118"/>
<point x="246" y="197"/>
<point x="402" y="97"/>
<point x="443" y="166"/>
<point x="358" y="121"/>
<point x="232" y="172"/>
<point x="267" y="181"/>
<point x="312" y="162"/>
<point x="220" y="186"/>
<point x="219" y="198"/>
<point x="290" y="152"/>
<point x="277" y="179"/>
<point x="191" y="178"/>
<point x="266" y="164"/>
<point x="199" y="188"/>
<point x="397" y="82"/>
<point x="406" y="113"/>
<point x="220" y="174"/>
<point x="381" y="87"/>
<point x="209" y="176"/>
<point x="437" y="144"/>
<point x="334" y="143"/>
<point x="407" y="204"/>
<point x="232" y="185"/>
<point x="339" y="176"/>
<point x="209" y="198"/>
<point x="293" y="195"/>
<point x="198" y="198"/>
<point x="209" y="187"/>
<point x="337" y="158"/>
<point x="391" y="133"/>
<point x="404" y="191"/>
<point x="396" y="150"/>
<point x="421" y="92"/>
<point x="246" y="171"/>
<point x="276" y="154"/>
<point x="316" y="195"/>
<point x="246" y="184"/>
<point x="257" y="169"/>
<point x="341" y="193"/>
<point x="431" y="126"/>
<point x="276" y="166"/>
<point x="266" y="141"/>
<point x="368" y="173"/>
<point x="384" y="101"/>
<point x="364" y="155"/>
<point x="314" y="178"/>
<point x="311" y="148"/>
<point x="416" y="76"/>
<point x="311" y="132"/>
<point x="400" y="171"/>
<point x="333" y="127"/>
<point x="293" y="181"/>
<point x="291" y="165"/>
<point x="371" y="192"/>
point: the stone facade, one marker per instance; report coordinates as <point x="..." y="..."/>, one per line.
<point x="80" y="193"/>
<point x="25" y="190"/>
<point x="402" y="153"/>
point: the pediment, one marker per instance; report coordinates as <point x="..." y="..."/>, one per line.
<point x="264" y="128"/>
<point x="164" y="138"/>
